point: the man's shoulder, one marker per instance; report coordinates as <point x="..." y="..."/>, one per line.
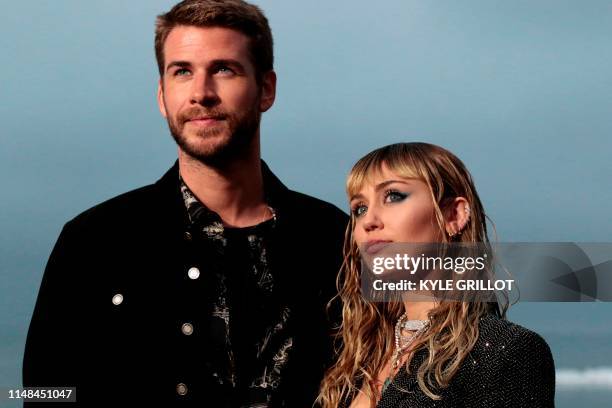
<point x="310" y="216"/>
<point x="305" y="202"/>
<point x="121" y="206"/>
<point x="135" y="204"/>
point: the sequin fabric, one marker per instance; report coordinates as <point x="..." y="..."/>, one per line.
<point x="509" y="366"/>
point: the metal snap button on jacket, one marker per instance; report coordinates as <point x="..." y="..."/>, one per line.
<point x="181" y="389"/>
<point x="187" y="329"/>
<point x="117" y="299"/>
<point x="193" y="273"/>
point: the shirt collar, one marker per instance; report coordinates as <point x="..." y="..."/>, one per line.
<point x="210" y="222"/>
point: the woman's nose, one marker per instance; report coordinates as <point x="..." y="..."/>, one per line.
<point x="371" y="221"/>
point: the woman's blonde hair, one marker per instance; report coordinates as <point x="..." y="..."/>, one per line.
<point x="366" y="331"/>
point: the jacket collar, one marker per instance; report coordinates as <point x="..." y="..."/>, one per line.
<point x="169" y="186"/>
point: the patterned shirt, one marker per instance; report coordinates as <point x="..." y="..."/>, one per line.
<point x="248" y="324"/>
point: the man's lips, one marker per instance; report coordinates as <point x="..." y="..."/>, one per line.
<point x="205" y="120"/>
<point x="374" y="246"/>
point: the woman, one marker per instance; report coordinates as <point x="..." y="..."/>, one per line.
<point x="436" y="353"/>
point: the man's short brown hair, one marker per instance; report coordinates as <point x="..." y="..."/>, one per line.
<point x="235" y="14"/>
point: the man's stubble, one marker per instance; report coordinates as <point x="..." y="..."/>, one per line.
<point x="220" y="145"/>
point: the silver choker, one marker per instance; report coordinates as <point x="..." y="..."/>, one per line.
<point x="414" y="325"/>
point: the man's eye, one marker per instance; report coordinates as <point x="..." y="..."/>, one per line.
<point x="181" y="72"/>
<point x="393" y="196"/>
<point x="359" y="210"/>
<point x="224" y="70"/>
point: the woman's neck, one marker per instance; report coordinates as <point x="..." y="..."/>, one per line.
<point x="418" y="310"/>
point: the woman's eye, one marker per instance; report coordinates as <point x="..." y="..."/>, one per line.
<point x="359" y="210"/>
<point x="393" y="196"/>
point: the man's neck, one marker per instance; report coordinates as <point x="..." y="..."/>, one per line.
<point x="234" y="192"/>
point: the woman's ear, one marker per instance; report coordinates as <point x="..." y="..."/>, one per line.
<point x="457" y="214"/>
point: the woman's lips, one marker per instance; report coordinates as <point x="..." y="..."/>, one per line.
<point x="372" y="247"/>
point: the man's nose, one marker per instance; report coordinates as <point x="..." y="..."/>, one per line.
<point x="204" y="91"/>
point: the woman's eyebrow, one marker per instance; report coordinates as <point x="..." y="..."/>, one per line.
<point x="379" y="187"/>
<point x="357" y="196"/>
<point x="384" y="184"/>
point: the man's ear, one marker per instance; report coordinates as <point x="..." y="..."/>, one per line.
<point x="268" y="91"/>
<point x="457" y="215"/>
<point x="160" y="99"/>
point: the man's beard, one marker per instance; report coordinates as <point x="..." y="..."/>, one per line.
<point x="239" y="129"/>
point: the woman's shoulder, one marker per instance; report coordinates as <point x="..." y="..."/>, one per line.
<point x="500" y="334"/>
<point x="509" y="366"/>
<point x="501" y="342"/>
<point x="512" y="366"/>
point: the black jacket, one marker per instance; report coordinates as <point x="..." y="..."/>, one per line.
<point x="509" y="367"/>
<point x="135" y="245"/>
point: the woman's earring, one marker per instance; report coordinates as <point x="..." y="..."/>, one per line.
<point x="467" y="218"/>
<point x="452" y="234"/>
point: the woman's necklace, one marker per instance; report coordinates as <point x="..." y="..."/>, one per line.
<point x="403" y="342"/>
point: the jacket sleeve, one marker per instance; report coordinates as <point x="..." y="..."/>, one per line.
<point x="51" y="357"/>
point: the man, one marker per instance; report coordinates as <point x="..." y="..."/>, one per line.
<point x="209" y="286"/>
